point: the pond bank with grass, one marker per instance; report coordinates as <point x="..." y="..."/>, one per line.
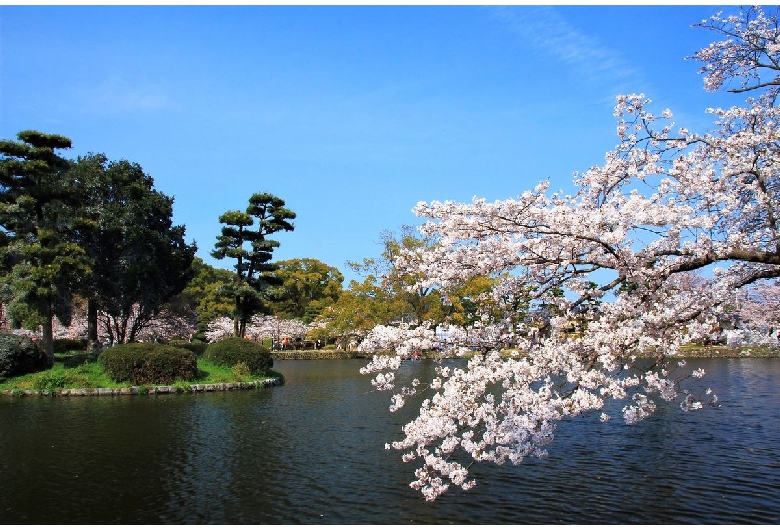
<point x="80" y="373"/>
<point x="142" y="389"/>
<point x="316" y="355"/>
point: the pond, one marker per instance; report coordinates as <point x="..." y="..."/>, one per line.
<point x="312" y="452"/>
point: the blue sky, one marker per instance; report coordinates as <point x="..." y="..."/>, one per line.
<point x="350" y="114"/>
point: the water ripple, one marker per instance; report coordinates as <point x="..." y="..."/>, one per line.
<point x="311" y="452"/>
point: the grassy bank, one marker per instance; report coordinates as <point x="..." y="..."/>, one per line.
<point x="761" y="352"/>
<point x="77" y="369"/>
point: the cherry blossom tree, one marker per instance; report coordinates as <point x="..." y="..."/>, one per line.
<point x="756" y="316"/>
<point x="275" y="328"/>
<point x="617" y="254"/>
<point x="172" y="321"/>
<point x="259" y="328"/>
<point x="220" y="328"/>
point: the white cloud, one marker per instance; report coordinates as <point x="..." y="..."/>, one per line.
<point x="544" y="28"/>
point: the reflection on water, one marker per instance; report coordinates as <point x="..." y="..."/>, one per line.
<point x="312" y="451"/>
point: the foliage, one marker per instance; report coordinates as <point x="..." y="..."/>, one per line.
<point x="148" y="364"/>
<point x="307" y="286"/>
<point x="411" y="302"/>
<point x="241" y="371"/>
<point x="231" y="351"/>
<point x="38" y="260"/>
<point x="20" y="355"/>
<point x="80" y="370"/>
<point x="618" y="255"/>
<point x="253" y="279"/>
<point x="59" y="377"/>
<point x="198" y="348"/>
<point x="359" y="308"/>
<point x="206" y="294"/>
<point x="64" y="345"/>
<point x="140" y="259"/>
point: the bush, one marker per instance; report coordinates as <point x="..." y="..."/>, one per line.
<point x="19" y="355"/>
<point x="66" y="345"/>
<point x="198" y="348"/>
<point x="149" y="364"/>
<point x="230" y="352"/>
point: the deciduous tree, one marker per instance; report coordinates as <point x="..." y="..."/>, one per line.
<point x="140" y="258"/>
<point x="307" y="287"/>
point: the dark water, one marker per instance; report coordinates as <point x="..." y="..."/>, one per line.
<point x="312" y="451"/>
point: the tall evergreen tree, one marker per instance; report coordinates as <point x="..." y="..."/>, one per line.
<point x="41" y="264"/>
<point x="252" y="251"/>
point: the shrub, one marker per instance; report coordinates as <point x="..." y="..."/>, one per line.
<point x="230" y="352"/>
<point x="59" y="378"/>
<point x="198" y="348"/>
<point x="149" y="364"/>
<point x="19" y="355"/>
<point x="241" y="371"/>
<point x="66" y="345"/>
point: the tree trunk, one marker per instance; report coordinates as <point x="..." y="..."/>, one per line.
<point x="92" y="327"/>
<point x="48" y="338"/>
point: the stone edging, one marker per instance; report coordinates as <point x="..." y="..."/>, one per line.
<point x="141" y="390"/>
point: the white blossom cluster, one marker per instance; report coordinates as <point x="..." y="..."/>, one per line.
<point x="259" y="327"/>
<point x="666" y="203"/>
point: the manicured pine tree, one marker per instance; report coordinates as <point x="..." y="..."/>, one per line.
<point x="252" y="251"/>
<point x="41" y="264"/>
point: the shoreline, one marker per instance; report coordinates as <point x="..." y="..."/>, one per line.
<point x="701" y="352"/>
<point x="141" y="390"/>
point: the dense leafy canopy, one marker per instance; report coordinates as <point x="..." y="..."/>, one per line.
<point x="140" y="259"/>
<point x="306" y="287"/>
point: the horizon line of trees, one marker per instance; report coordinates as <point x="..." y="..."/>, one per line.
<point x="306" y="300"/>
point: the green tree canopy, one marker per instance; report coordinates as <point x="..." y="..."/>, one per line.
<point x="413" y="305"/>
<point x="206" y="294"/>
<point x="359" y="308"/>
<point x="140" y="259"/>
<point x="307" y="287"/>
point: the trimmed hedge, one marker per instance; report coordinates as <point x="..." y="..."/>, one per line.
<point x="198" y="348"/>
<point x="66" y="345"/>
<point x="19" y="355"/>
<point x="232" y="351"/>
<point x="149" y="364"/>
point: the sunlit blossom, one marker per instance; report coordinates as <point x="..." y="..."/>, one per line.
<point x="591" y="285"/>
